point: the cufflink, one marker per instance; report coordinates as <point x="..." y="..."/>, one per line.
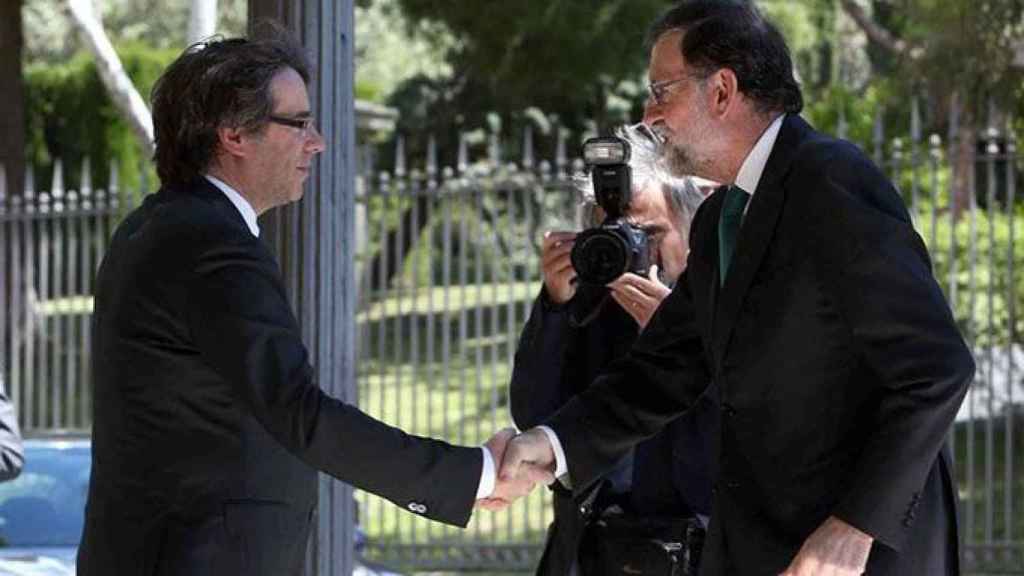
<point x="417" y="507"/>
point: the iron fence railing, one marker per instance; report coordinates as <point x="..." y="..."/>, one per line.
<point x="447" y="265"/>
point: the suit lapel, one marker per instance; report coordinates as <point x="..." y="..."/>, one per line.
<point x="757" y="231"/>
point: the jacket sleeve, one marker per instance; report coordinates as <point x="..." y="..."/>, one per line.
<point x="906" y="335"/>
<point x="538" y="387"/>
<point x="245" y="330"/>
<point x="12" y="456"/>
<point x="636" y="396"/>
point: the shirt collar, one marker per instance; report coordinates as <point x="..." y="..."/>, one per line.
<point x="750" y="172"/>
<point x="243" y="206"/>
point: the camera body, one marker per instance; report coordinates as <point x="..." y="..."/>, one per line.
<point x="605" y="252"/>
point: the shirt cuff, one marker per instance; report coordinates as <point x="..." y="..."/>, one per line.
<point x="561" y="467"/>
<point x="487" y="476"/>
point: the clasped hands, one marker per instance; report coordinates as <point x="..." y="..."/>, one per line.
<point x="522" y="461"/>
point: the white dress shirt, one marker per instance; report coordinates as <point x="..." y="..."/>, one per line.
<point x="747" y="178"/>
<point x="488" y="475"/>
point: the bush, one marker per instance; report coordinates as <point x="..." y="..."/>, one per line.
<point x="69" y="117"/>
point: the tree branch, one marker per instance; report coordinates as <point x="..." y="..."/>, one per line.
<point x="122" y="92"/>
<point x="878" y="34"/>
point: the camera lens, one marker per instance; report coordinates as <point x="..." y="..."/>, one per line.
<point x="599" y="256"/>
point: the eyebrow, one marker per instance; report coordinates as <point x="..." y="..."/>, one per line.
<point x="298" y="115"/>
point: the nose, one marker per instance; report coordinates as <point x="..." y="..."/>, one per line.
<point x="652" y="112"/>
<point x="315" y="143"/>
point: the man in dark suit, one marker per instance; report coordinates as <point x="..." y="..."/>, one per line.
<point x="809" y="300"/>
<point x="208" y="425"/>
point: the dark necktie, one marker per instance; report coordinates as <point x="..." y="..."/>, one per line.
<point x="729" y="228"/>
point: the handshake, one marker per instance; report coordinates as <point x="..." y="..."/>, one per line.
<point x="522" y="461"/>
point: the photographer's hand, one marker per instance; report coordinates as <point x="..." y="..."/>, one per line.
<point x="639" y="296"/>
<point x="556" y="266"/>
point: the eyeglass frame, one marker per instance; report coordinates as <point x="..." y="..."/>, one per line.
<point x="304" y="123"/>
<point x="657" y="91"/>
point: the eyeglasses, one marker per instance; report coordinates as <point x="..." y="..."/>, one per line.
<point x="658" y="92"/>
<point x="303" y="123"/>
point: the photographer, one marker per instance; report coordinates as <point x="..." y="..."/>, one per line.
<point x="575" y="329"/>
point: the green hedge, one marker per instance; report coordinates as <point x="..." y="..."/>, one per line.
<point x="70" y="117"/>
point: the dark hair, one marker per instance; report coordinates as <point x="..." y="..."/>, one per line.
<point x="733" y="34"/>
<point x="216" y="83"/>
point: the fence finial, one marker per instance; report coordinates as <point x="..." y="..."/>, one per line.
<point x="431" y="157"/>
<point x="400" y="156"/>
<point x="30" y="180"/>
<point x="915" y="120"/>
<point x="57" y="186"/>
<point x="528" y="147"/>
<point x="463" y="159"/>
<point x="494" y="145"/>
<point x="86" y="180"/>
<point x="560" y="157"/>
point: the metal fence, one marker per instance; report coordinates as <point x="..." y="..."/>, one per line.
<point x="449" y="267"/>
<point x="50" y="245"/>
<point x="447" y="259"/>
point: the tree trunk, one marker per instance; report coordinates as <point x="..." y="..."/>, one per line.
<point x="12" y="97"/>
<point x="202" y="20"/>
<point x="120" y="88"/>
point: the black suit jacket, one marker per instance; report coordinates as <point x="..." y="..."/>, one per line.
<point x="671" y="473"/>
<point x="208" y="424"/>
<point x="838" y="364"/>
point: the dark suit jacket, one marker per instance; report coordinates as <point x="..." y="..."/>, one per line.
<point x="671" y="472"/>
<point x="838" y="364"/>
<point x="208" y="425"/>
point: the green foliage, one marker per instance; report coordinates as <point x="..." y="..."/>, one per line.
<point x="564" y="57"/>
<point x="69" y="117"/>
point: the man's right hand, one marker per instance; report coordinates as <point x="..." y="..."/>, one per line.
<point x="528" y="455"/>
<point x="556" y="266"/>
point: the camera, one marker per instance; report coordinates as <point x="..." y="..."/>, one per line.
<point x="605" y="252"/>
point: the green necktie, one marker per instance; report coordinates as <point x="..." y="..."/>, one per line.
<point x="729" y="227"/>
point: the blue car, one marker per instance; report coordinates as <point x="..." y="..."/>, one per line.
<point x="42" y="511"/>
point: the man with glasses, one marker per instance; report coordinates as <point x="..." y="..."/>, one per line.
<point x="809" y="301"/>
<point x="208" y="424"/>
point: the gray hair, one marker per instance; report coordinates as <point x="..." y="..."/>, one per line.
<point x="645" y="160"/>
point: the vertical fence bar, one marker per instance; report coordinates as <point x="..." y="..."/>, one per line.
<point x="1008" y="453"/>
<point x="42" y="381"/>
<point x="400" y="200"/>
<point x="383" y="193"/>
<point x="935" y="158"/>
<point x="476" y="202"/>
<point x="992" y="155"/>
<point x="434" y="198"/>
<point x="19" y="316"/>
<point x="56" y="312"/>
<point x="88" y="271"/>
<point x="915" y="143"/>
<point x="72" y="343"/>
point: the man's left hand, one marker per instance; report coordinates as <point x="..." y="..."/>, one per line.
<point x="639" y="296"/>
<point x="834" y="549"/>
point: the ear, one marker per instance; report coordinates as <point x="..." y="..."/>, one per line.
<point x="725" y="91"/>
<point x="232" y="141"/>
